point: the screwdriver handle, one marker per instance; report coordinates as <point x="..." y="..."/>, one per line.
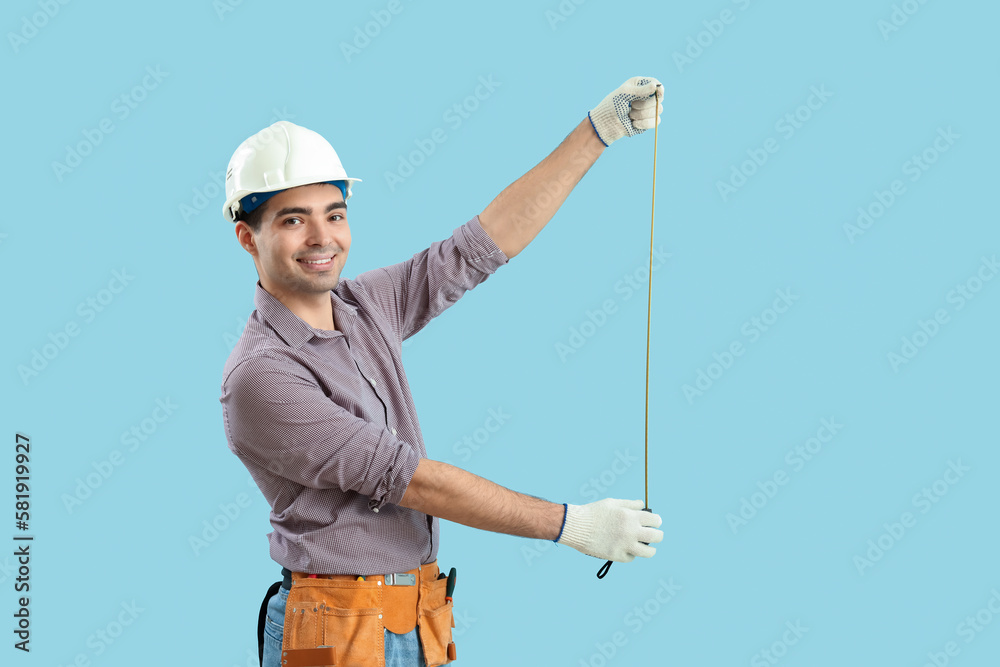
<point x="450" y="586"/>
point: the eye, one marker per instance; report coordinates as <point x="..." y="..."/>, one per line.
<point x="339" y="216"/>
<point x="288" y="220"/>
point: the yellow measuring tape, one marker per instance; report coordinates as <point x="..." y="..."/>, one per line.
<point x="649" y="305"/>
<point x="649" y="318"/>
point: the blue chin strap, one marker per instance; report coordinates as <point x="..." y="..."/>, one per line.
<point x="251" y="202"/>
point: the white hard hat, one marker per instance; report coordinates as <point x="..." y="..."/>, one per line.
<point x="282" y="156"/>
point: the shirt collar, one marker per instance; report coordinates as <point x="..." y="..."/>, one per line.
<point x="292" y="328"/>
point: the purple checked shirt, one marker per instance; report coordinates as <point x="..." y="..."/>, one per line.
<point x="324" y="420"/>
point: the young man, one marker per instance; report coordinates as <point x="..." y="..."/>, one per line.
<point x="317" y="406"/>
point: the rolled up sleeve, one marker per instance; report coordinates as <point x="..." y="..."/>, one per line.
<point x="410" y="294"/>
<point x="279" y="418"/>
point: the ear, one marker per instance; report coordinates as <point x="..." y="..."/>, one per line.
<point x="245" y="237"/>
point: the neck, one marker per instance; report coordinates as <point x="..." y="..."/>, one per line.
<point x="315" y="309"/>
<point x="318" y="317"/>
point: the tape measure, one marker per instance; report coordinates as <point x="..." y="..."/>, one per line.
<point x="649" y="314"/>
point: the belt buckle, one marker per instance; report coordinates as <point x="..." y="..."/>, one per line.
<point x="401" y="579"/>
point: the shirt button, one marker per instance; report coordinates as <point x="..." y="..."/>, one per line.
<point x="372" y="380"/>
<point x="394" y="431"/>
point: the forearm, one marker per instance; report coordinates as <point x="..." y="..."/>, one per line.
<point x="518" y="213"/>
<point x="447" y="492"/>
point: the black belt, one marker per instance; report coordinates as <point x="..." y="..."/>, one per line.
<point x="286" y="578"/>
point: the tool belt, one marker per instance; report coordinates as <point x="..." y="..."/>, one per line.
<point x="338" y="619"/>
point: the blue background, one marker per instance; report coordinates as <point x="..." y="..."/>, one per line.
<point x="146" y="200"/>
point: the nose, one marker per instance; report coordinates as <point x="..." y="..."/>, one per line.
<point x="319" y="233"/>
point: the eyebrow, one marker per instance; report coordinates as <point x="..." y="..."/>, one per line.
<point x="308" y="211"/>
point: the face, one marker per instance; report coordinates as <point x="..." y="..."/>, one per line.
<point x="303" y="241"/>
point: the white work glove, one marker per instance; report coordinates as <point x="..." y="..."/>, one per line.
<point x="611" y="529"/>
<point x="629" y="110"/>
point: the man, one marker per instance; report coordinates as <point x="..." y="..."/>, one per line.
<point x="317" y="406"/>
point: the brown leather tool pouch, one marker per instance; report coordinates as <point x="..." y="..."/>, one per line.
<point x="342" y="614"/>
<point x="351" y="616"/>
<point x="435" y="619"/>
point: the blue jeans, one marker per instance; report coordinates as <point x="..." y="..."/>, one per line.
<point x="400" y="650"/>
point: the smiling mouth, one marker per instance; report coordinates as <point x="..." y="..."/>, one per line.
<point x="325" y="261"/>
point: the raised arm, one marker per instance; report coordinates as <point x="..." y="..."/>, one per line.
<point x="525" y="206"/>
<point x="518" y="213"/>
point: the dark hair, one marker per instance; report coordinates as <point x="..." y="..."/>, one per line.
<point x="254" y="218"/>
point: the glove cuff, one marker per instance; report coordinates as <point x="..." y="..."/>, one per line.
<point x="578" y="526"/>
<point x="565" y="511"/>
<point x="591" y="119"/>
<point x="606" y="122"/>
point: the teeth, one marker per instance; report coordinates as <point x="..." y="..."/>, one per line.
<point x="318" y="261"/>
